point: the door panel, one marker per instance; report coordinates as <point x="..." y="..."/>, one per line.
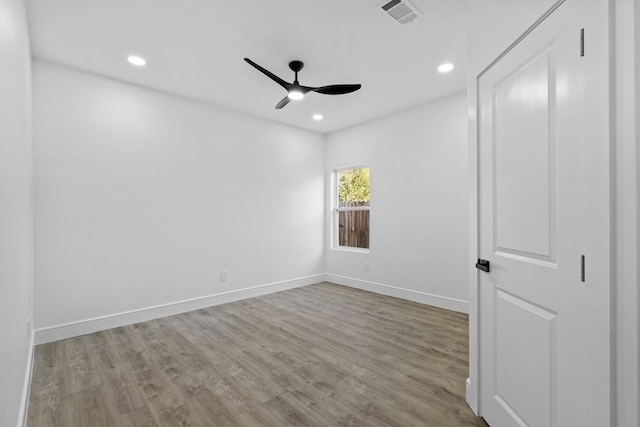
<point x="533" y="402"/>
<point x="524" y="152"/>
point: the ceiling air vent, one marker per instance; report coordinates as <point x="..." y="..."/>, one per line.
<point x="401" y="11"/>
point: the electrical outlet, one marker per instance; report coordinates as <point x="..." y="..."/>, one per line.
<point x="366" y="266"/>
<point x="223" y="276"/>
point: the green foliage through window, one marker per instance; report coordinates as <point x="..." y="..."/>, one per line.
<point x="353" y="185"/>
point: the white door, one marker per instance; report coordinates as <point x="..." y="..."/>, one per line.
<point x="531" y="195"/>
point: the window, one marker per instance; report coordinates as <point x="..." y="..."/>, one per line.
<point x="351" y="208"/>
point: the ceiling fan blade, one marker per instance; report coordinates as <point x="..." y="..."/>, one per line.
<point x="269" y="74"/>
<point x="283" y="102"/>
<point x="335" y="89"/>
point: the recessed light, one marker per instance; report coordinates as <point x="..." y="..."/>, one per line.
<point x="445" y="68"/>
<point x="136" y="60"/>
<point x="318" y="117"/>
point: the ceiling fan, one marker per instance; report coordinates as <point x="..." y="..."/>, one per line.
<point x="295" y="90"/>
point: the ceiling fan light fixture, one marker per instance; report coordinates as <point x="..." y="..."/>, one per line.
<point x="295" y="94"/>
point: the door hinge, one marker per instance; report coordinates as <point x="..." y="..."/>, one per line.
<point x="582" y="42"/>
<point x="582" y="278"/>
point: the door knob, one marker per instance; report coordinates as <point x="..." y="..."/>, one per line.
<point x="483" y="265"/>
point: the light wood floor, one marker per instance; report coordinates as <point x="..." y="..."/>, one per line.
<point x="321" y="355"/>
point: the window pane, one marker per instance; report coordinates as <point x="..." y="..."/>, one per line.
<point x="353" y="228"/>
<point x="353" y="186"/>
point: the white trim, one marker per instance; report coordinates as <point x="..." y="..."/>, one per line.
<point x="351" y="249"/>
<point x="26" y="388"/>
<point x="626" y="33"/>
<point x="87" y="326"/>
<point x="346" y="168"/>
<point x="597" y="294"/>
<point x="408" y="294"/>
<point x="471" y="394"/>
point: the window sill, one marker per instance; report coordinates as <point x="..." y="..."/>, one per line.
<point x="350" y="249"/>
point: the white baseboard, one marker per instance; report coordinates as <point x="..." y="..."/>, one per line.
<point x="408" y="294"/>
<point x="88" y="326"/>
<point x="472" y="399"/>
<point x="26" y="387"/>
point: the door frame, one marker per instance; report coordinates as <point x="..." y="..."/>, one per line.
<point x="627" y="211"/>
<point x="598" y="156"/>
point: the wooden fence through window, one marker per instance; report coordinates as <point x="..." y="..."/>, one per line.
<point x="353" y="226"/>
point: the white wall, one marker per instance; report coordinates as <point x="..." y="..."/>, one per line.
<point x="419" y="197"/>
<point x="494" y="24"/>
<point x="143" y="198"/>
<point x="16" y="211"/>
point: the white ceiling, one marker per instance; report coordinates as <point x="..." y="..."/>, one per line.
<point x="195" y="48"/>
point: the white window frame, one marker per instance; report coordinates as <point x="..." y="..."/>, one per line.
<point x="335" y="210"/>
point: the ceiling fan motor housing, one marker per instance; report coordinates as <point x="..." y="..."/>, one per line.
<point x="296" y="66"/>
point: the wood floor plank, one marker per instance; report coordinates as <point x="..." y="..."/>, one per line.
<point x="320" y="355"/>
